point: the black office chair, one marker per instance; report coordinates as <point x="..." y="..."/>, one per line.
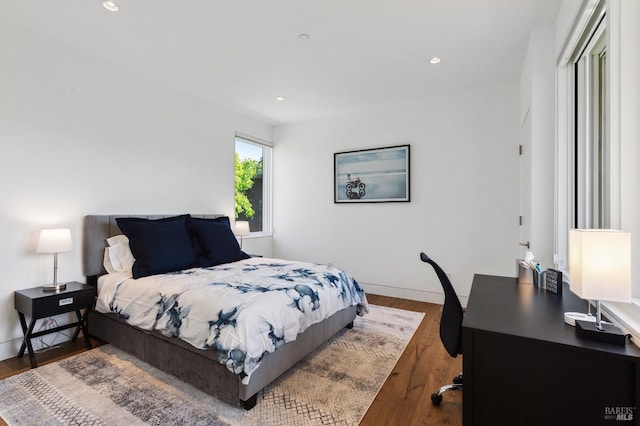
<point x="450" y="326"/>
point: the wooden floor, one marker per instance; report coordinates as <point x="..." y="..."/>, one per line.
<point x="405" y="398"/>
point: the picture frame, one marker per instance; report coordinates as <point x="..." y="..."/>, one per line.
<point x="377" y="175"/>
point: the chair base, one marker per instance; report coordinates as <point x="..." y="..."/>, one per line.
<point x="436" y="398"/>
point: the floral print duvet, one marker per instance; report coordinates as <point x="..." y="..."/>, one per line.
<point x="242" y="310"/>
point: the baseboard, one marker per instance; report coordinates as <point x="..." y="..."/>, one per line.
<point x="406" y="293"/>
<point x="9" y="349"/>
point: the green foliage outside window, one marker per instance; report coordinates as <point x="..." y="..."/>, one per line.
<point x="246" y="170"/>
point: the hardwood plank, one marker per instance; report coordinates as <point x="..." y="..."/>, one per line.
<point x="405" y="397"/>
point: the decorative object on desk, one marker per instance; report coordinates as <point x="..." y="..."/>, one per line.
<point x="529" y="271"/>
<point x="600" y="268"/>
<point x="525" y="274"/>
<point x="371" y="175"/>
<point x="241" y="229"/>
<point x="54" y="241"/>
<point x="553" y="282"/>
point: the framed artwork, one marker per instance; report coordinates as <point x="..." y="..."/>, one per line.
<point x="377" y="175"/>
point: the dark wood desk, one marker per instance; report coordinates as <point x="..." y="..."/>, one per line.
<point x="523" y="365"/>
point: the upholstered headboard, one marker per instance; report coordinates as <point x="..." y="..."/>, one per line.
<point x="97" y="228"/>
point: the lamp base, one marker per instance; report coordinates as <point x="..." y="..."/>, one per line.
<point x="609" y="333"/>
<point x="571" y="318"/>
<point x="53" y="287"/>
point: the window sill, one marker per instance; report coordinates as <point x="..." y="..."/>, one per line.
<point x="626" y="316"/>
<point x="258" y="235"/>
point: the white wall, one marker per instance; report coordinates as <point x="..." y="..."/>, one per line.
<point x="623" y="50"/>
<point x="565" y="22"/>
<point x="464" y="193"/>
<point x="81" y="137"/>
<point x="537" y="98"/>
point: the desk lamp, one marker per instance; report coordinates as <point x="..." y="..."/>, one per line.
<point x="54" y="241"/>
<point x="600" y="269"/>
<point x="241" y="229"/>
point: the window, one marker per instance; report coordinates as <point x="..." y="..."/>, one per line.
<point x="253" y="184"/>
<point x="597" y="134"/>
<point x="585" y="150"/>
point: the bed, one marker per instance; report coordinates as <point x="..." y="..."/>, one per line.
<point x="163" y="332"/>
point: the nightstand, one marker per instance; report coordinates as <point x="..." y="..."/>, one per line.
<point x="37" y="304"/>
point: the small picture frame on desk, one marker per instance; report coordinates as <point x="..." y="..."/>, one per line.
<point x="554" y="281"/>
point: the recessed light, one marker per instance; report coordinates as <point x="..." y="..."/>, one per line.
<point x="435" y="60"/>
<point x="304" y="36"/>
<point x="111" y="6"/>
<point x="280" y="98"/>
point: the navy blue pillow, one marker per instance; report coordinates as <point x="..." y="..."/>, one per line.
<point x="215" y="241"/>
<point x="159" y="246"/>
<point x="194" y="240"/>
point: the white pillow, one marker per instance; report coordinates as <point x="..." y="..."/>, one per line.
<point x="118" y="256"/>
<point x="118" y="239"/>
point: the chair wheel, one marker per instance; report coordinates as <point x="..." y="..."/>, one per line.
<point x="436" y="399"/>
<point x="457" y="380"/>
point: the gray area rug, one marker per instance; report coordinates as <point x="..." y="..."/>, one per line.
<point x="104" y="386"/>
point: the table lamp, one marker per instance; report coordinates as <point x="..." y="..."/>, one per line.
<point x="54" y="241"/>
<point x="600" y="269"/>
<point x="241" y="229"/>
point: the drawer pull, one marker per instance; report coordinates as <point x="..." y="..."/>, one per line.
<point x="64" y="302"/>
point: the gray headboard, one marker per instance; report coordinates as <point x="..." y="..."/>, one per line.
<point x="97" y="228"/>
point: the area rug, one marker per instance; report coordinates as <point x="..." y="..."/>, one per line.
<point x="334" y="385"/>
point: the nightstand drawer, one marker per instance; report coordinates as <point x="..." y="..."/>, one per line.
<point x="39" y="304"/>
<point x="62" y="303"/>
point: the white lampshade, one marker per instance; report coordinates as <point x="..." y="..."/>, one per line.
<point x="54" y="241"/>
<point x="242" y="228"/>
<point x="600" y="264"/>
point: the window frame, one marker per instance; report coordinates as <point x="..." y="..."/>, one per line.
<point x="569" y="181"/>
<point x="592" y="152"/>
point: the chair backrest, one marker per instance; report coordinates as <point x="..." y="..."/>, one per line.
<point x="452" y="314"/>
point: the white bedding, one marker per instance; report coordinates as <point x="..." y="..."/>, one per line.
<point x="242" y="310"/>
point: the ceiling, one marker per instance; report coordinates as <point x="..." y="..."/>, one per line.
<point x="242" y="54"/>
